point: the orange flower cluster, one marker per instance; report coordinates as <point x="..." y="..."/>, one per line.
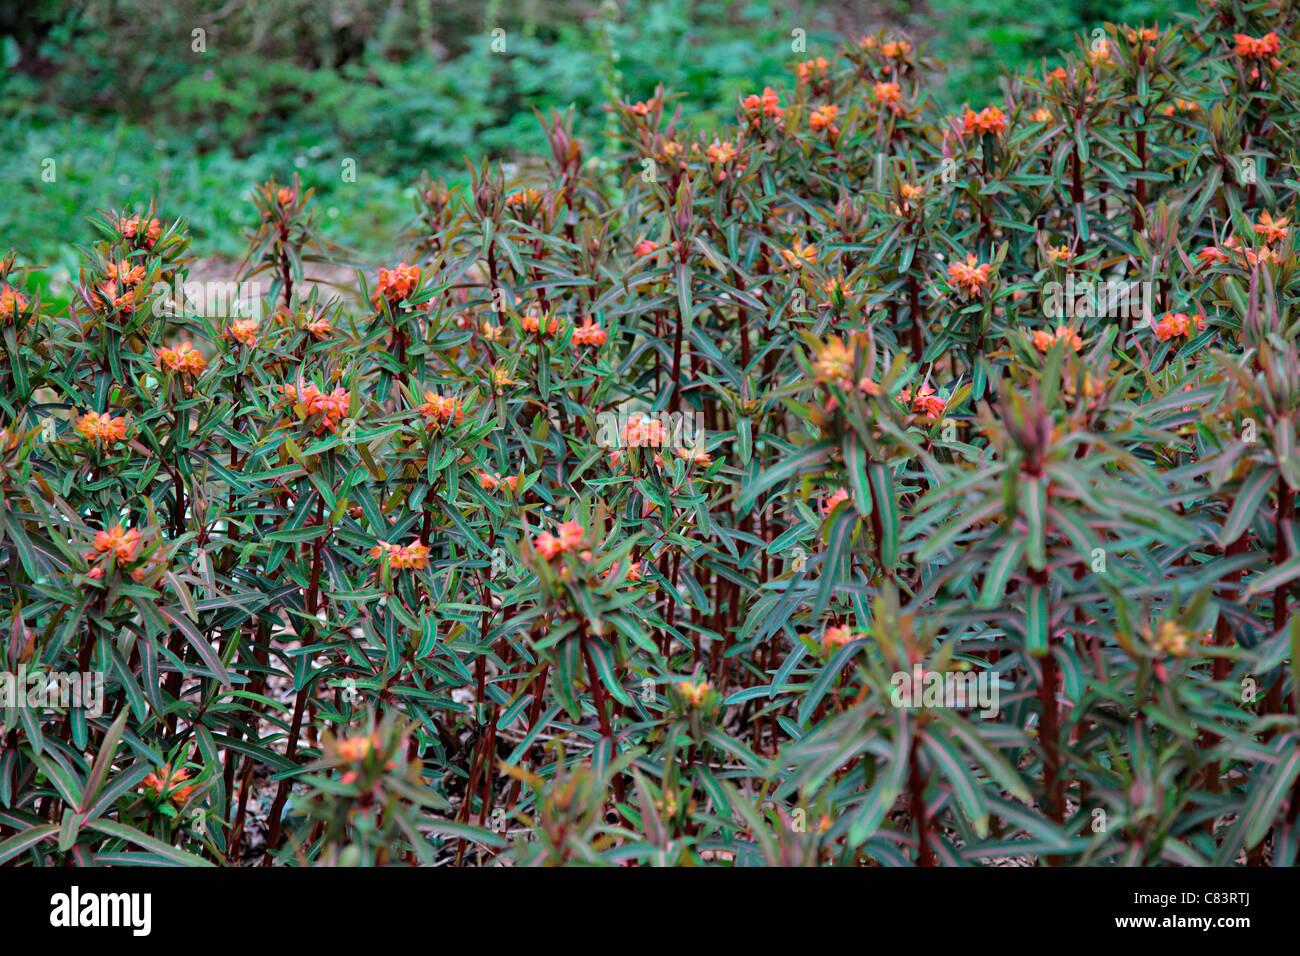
<point x="567" y="538"/>
<point x="532" y="322"/>
<point x="120" y="271"/>
<point x="164" y="781"/>
<point x="926" y="402"/>
<point x="414" y="556"/>
<point x="1257" y="48"/>
<point x="494" y="480"/>
<point x="1142" y="34"/>
<point x="701" y="458"/>
<point x="838" y="637"/>
<point x="1043" y="340"/>
<point x="721" y="151"/>
<point x="834" y="362"/>
<point x="123" y="544"/>
<point x="244" y="331"/>
<point x="889" y="94"/>
<point x="834" y="500"/>
<point x="1178" y="323"/>
<point x="647" y="248"/>
<point x="639" y="434"/>
<point x="1172" y="639"/>
<point x="1180" y="105"/>
<point x="633" y="575"/>
<point x="525" y="197"/>
<point x="108" y="298"/>
<point x="333" y="407"/>
<point x="130" y="228"/>
<point x="1213" y="255"/>
<point x="184" y="359"/>
<point x="810" y="70"/>
<point x="695" y="692"/>
<point x="319" y="327"/>
<point x="397" y="283"/>
<point x="769" y="104"/>
<point x="356" y="749"/>
<point x="106" y="293"/>
<point x="102" y="428"/>
<point x="1272" y="230"/>
<point x="441" y="409"/>
<point x="590" y="333"/>
<point x="988" y="120"/>
<point x="11" y="302"/>
<point x="910" y="193"/>
<point x="971" y="276"/>
<point x="1268" y="228"/>
<point x="799" y="254"/>
<point x="823" y="118"/>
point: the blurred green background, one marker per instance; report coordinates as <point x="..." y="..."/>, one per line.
<point x="118" y="94"/>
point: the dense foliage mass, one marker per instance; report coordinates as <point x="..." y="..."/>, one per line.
<point x="630" y="522"/>
<point x="186" y="99"/>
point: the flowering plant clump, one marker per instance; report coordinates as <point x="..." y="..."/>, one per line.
<point x="926" y="476"/>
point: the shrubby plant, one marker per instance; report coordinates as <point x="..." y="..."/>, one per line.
<point x="371" y="578"/>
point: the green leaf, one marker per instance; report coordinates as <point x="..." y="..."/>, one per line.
<point x="164" y="851"/>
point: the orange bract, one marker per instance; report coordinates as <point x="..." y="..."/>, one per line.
<point x="333" y="407"/>
<point x="888" y="94"/>
<point x="532" y="323"/>
<point x="441" y="409"/>
<point x="836" y="637"/>
<point x="413" y="556"/>
<point x="121" y="272"/>
<point x="769" y="103"/>
<point x="397" y="283"/>
<point x="823" y="118"/>
<point x="244" y="331"/>
<point x="639" y="434"/>
<point x="11" y="302"/>
<point x="123" y="544"/>
<point x="970" y="276"/>
<point x="1257" y="48"/>
<point x="567" y="538"/>
<point x="810" y="69"/>
<point x="695" y="692"/>
<point x="494" y="480"/>
<point x="1174" y="324"/>
<point x="988" y="120"/>
<point x="589" y="333"/>
<point x="1272" y="230"/>
<point x="131" y="227"/>
<point x="102" y="428"/>
<point x="1043" y="340"/>
<point x="721" y="152"/>
<point x="165" y="781"/>
<point x="926" y="402"/>
<point x="184" y="359"/>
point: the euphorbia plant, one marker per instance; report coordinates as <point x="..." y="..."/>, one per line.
<point x="608" y="518"/>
